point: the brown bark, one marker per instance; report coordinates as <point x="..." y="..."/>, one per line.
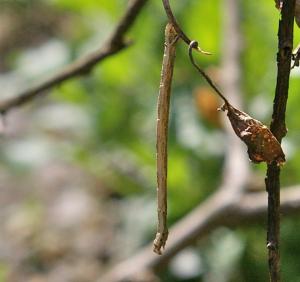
<point x="278" y="128"/>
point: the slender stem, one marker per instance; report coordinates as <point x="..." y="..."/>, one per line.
<point x="193" y="45"/>
<point x="178" y="29"/>
<point x="163" y="106"/>
<point x="172" y="19"/>
<point x="278" y="128"/>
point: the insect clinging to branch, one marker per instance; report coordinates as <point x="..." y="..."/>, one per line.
<point x="163" y="106"/>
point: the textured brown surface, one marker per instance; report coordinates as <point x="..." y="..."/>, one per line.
<point x="262" y="144"/>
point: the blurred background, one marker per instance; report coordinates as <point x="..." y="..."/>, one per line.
<point x="77" y="167"/>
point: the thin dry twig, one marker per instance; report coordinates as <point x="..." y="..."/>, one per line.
<point x="177" y="27"/>
<point x="278" y="128"/>
<point x="172" y="20"/>
<point x="194" y="45"/>
<point x="83" y="65"/>
<point x="163" y="106"/>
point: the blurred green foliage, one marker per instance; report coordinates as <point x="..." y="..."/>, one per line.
<point x="120" y="98"/>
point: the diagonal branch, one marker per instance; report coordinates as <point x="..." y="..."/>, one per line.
<point x="83" y="65"/>
<point x="208" y="216"/>
<point x="278" y="128"/>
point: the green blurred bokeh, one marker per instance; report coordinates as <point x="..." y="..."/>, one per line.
<point x="119" y="98"/>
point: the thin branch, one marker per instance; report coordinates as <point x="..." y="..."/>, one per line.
<point x="194" y="45"/>
<point x="163" y="106"/>
<point x="208" y="216"/>
<point x="178" y="29"/>
<point x="278" y="128"/>
<point x="83" y="65"/>
<point x="172" y="20"/>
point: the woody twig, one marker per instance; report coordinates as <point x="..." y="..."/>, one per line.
<point x="163" y="106"/>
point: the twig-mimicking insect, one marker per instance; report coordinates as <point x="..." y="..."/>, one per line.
<point x="163" y="106"/>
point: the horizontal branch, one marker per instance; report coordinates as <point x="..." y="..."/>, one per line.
<point x="208" y="216"/>
<point x="83" y="65"/>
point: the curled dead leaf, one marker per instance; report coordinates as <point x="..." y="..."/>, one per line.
<point x="262" y="144"/>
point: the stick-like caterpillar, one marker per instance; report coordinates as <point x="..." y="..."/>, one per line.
<point x="163" y="106"/>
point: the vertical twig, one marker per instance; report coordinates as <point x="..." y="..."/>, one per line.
<point x="278" y="128"/>
<point x="162" y="136"/>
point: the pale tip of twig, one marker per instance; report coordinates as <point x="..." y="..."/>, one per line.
<point x="160" y="242"/>
<point x="157" y="248"/>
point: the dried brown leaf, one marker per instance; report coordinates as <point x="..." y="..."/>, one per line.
<point x="262" y="144"/>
